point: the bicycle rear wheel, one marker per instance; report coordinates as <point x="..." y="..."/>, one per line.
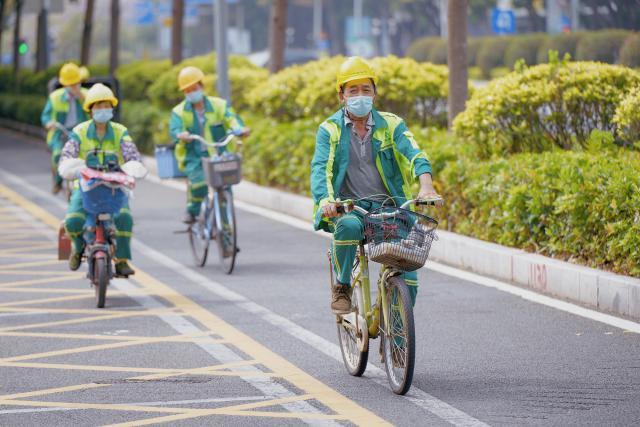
<point x="226" y="230"/>
<point x="398" y="336"/>
<point x="100" y="280"/>
<point x="353" y="335"/>
<point x="200" y="233"/>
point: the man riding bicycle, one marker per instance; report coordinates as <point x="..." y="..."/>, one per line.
<point x="364" y="155"/>
<point x="207" y="116"/>
<point x="64" y="106"/>
<point x="98" y="142"/>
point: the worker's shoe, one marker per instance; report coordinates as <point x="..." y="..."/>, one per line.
<point x="188" y="218"/>
<point x="340" y="299"/>
<point x="123" y="269"/>
<point x="56" y="188"/>
<point x="75" y="259"/>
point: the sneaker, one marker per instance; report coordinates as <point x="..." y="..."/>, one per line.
<point x="341" y="299"/>
<point x="123" y="269"/>
<point x="188" y="218"/>
<point x="75" y="259"/>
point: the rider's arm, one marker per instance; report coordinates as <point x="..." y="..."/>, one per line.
<point x="71" y="148"/>
<point x="47" y="113"/>
<point x="129" y="149"/>
<point x="176" y="126"/>
<point x="408" y="147"/>
<point x="321" y="171"/>
<point x="232" y="122"/>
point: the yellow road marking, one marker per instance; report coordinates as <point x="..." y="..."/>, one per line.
<point x="26" y="256"/>
<point x="47" y="300"/>
<point x="29" y="264"/>
<point x="46" y="290"/>
<point x="193" y="337"/>
<point x="38" y="273"/>
<point x="70" y="276"/>
<point x="276" y="363"/>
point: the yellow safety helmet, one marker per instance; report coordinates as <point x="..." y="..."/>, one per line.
<point x="354" y="68"/>
<point x="189" y="76"/>
<point x="97" y="93"/>
<point x="84" y="73"/>
<point x="69" y="74"/>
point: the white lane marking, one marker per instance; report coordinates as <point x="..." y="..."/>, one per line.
<point x="171" y="402"/>
<point x="419" y="397"/>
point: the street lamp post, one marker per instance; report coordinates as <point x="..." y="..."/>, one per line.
<point x="222" y="67"/>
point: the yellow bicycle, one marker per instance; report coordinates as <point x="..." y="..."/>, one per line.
<point x="400" y="240"/>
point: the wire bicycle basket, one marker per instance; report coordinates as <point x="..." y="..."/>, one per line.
<point x="223" y="171"/>
<point x="398" y="237"/>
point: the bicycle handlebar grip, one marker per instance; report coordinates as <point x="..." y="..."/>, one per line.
<point x="427" y="202"/>
<point x="341" y="209"/>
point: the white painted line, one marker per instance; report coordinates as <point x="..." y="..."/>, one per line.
<point x="419" y="397"/>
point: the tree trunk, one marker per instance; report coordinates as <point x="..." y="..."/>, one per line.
<point x="42" y="53"/>
<point x="115" y="36"/>
<point x="176" y="31"/>
<point x="277" y="39"/>
<point x="2" y="5"/>
<point x="457" y="57"/>
<point x="16" y="40"/>
<point x="86" y="33"/>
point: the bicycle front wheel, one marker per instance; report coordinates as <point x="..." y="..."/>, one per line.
<point x="398" y="336"/>
<point x="200" y="234"/>
<point x="100" y="280"/>
<point x="226" y="230"/>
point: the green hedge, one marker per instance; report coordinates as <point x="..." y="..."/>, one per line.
<point x="22" y="108"/>
<point x="136" y="77"/>
<point x="145" y="124"/>
<point x="545" y="106"/>
<point x="627" y="118"/>
<point x="602" y="46"/>
<point x="491" y="54"/>
<point x="565" y="43"/>
<point x="580" y="206"/>
<point x="526" y="48"/>
<point x="630" y="51"/>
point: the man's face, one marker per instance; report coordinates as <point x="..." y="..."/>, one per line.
<point x="193" y="88"/>
<point x="362" y="87"/>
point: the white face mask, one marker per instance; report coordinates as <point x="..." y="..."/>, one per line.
<point x="102" y="115"/>
<point x="195" y="96"/>
<point x="359" y="106"/>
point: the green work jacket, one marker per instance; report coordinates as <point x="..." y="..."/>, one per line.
<point x="395" y="152"/>
<point x="93" y="150"/>
<point x="57" y="108"/>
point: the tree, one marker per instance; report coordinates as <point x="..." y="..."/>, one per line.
<point x="114" y="36"/>
<point x="3" y="3"/>
<point x="176" y="31"/>
<point x="277" y="39"/>
<point x="457" y="57"/>
<point x="86" y="33"/>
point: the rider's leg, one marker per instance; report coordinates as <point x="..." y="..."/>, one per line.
<point x="198" y="188"/>
<point x="348" y="231"/>
<point x="56" y="145"/>
<point x="411" y="279"/>
<point x="124" y="227"/>
<point x="74" y="225"/>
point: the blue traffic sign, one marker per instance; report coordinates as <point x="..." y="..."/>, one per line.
<point x="503" y="21"/>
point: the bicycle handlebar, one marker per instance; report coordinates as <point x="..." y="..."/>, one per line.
<point x="61" y="128"/>
<point x="345" y="205"/>
<point x="223" y="143"/>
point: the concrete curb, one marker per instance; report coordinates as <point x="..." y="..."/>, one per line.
<point x="604" y="291"/>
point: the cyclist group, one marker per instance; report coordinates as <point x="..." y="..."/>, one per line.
<point x="360" y="154"/>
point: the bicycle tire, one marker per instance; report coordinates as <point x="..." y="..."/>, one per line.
<point x="199" y="237"/>
<point x="100" y="280"/>
<point x="400" y="377"/>
<point x="355" y="360"/>
<point x="226" y="237"/>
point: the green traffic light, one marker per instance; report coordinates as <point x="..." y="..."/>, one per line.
<point x="23" y="48"/>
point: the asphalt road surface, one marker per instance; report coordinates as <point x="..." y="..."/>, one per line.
<point x="191" y="346"/>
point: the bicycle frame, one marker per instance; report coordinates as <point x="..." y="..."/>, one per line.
<point x="101" y="246"/>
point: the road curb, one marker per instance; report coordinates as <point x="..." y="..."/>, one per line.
<point x="607" y="292"/>
<point x="598" y="289"/>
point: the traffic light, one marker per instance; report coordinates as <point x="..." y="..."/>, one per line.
<point x="23" y="47"/>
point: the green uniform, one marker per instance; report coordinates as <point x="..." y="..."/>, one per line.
<point x="218" y="119"/>
<point x="109" y="148"/>
<point x="57" y="109"/>
<point x="398" y="160"/>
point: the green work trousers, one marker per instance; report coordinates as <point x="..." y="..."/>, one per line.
<point x="55" y="145"/>
<point x="197" y="187"/>
<point x="74" y="224"/>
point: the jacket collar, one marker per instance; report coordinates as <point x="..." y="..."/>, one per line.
<point x="208" y="106"/>
<point x="93" y="134"/>
<point x="378" y="120"/>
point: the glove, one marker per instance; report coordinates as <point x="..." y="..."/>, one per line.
<point x="135" y="169"/>
<point x="69" y="168"/>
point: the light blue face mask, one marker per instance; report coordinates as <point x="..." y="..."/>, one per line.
<point x="359" y="106"/>
<point x="102" y="115"/>
<point x="195" y="96"/>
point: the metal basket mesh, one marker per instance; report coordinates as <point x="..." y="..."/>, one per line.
<point x="398" y="237"/>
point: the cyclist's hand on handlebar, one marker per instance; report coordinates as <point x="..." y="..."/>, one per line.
<point x="430" y="194"/>
<point x="244" y="132"/>
<point x="330" y="210"/>
<point x="50" y="126"/>
<point x="184" y="136"/>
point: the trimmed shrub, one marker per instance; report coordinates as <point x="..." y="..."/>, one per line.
<point x="491" y="54"/>
<point x="136" y="77"/>
<point x="630" y="51"/>
<point x="473" y="47"/>
<point x="420" y="48"/>
<point x="602" y="46"/>
<point x="627" y="118"/>
<point x="562" y="43"/>
<point x="545" y="106"/>
<point x="22" y="108"/>
<point x="438" y="52"/>
<point x="572" y="205"/>
<point x="523" y="47"/>
<point x="143" y="121"/>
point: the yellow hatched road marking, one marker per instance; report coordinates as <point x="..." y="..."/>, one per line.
<point x="315" y="389"/>
<point x="29" y="264"/>
<point x="193" y="337"/>
<point x="46" y="290"/>
<point x="37" y="273"/>
<point x="70" y="276"/>
<point x="49" y="300"/>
